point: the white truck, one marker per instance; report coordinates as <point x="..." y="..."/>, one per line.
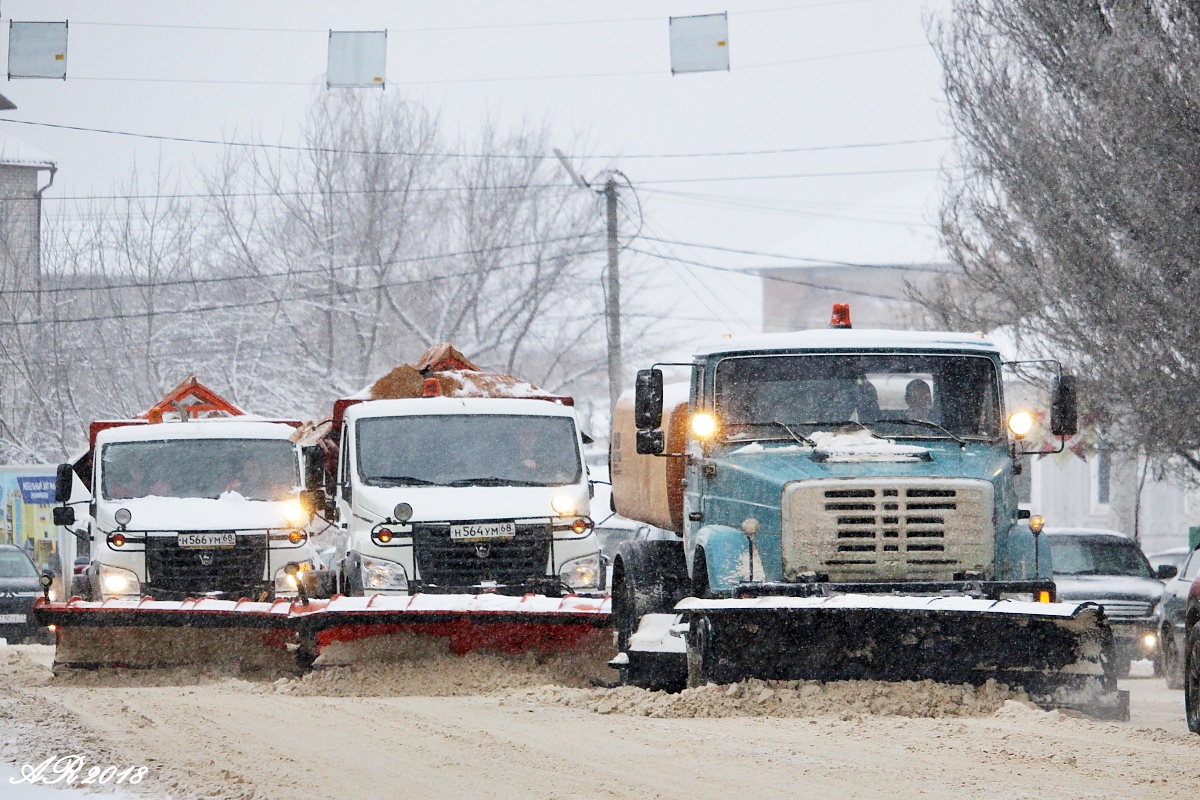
<point x="190" y="508"/>
<point x="444" y="495"/>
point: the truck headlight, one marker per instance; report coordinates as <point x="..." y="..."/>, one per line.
<point x="120" y="582"/>
<point x="581" y="573"/>
<point x="286" y="584"/>
<point x="295" y="513"/>
<point x="383" y="576"/>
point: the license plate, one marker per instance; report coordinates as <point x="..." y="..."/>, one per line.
<point x="484" y="530"/>
<point x="206" y="540"/>
<point x="13" y="619"/>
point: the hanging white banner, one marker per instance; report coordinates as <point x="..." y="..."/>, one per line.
<point x="37" y="50"/>
<point x="699" y="44"/>
<point x="357" y="59"/>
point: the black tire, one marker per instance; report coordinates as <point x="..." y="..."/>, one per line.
<point x="1191" y="680"/>
<point x="1172" y="669"/>
<point x="648" y="578"/>
<point x="350" y="577"/>
<point x="700" y="585"/>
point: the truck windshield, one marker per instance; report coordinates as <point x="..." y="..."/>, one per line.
<point x="894" y="395"/>
<point x="1080" y="555"/>
<point x="256" y="469"/>
<point x="468" y="450"/>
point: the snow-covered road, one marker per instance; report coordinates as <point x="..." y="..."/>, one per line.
<point x="238" y="739"/>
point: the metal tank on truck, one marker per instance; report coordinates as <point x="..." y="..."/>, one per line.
<point x="461" y="505"/>
<point x="846" y="509"/>
<point x="192" y="501"/>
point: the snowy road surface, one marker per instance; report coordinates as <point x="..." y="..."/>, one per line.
<point x="229" y="739"/>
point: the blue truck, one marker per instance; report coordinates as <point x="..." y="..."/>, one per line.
<point x="846" y="507"/>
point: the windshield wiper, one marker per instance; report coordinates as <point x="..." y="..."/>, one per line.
<point x="400" y="480"/>
<point x="492" y="481"/>
<point x="925" y="423"/>
<point x="801" y="439"/>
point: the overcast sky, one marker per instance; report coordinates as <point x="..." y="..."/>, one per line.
<point x="811" y="74"/>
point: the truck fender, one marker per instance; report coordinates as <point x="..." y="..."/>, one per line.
<point x="726" y="556"/>
<point x="1016" y="558"/>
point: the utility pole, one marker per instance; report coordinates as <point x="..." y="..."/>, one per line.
<point x="612" y="288"/>
<point x="612" y="295"/>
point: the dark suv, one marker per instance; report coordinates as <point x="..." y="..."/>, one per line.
<point x="1109" y="568"/>
<point x="19" y="587"/>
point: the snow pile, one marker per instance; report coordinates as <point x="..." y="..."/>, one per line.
<point x="861" y="445"/>
<point x="757" y="698"/>
<point x="442" y="674"/>
<point x="18" y="669"/>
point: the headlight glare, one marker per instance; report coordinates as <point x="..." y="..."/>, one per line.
<point x="383" y="576"/>
<point x="295" y="513"/>
<point x="116" y="581"/>
<point x="581" y="573"/>
<point x="563" y="505"/>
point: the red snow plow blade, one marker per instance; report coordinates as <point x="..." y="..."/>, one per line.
<point x="348" y="630"/>
<point x="344" y="630"/>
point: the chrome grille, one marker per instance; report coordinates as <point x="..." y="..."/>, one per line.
<point x="888" y="529"/>
<point x="1127" y="608"/>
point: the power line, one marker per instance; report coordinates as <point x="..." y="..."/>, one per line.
<point x="499" y="78"/>
<point x="450" y="28"/>
<point x="773" y="277"/>
<point x="487" y="188"/>
<point x="821" y="262"/>
<point x="323" y="270"/>
<point x="258" y="303"/>
<point x="444" y="154"/>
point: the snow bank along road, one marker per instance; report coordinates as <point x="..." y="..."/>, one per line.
<point x="483" y="727"/>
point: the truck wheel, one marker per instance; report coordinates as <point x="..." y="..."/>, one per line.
<point x="648" y="578"/>
<point x="350" y="576"/>
<point x="1191" y="688"/>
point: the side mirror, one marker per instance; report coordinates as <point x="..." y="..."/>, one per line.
<point x="651" y="443"/>
<point x="647" y="401"/>
<point x="1064" y="408"/>
<point x="64" y="482"/>
<point x="1166" y="571"/>
<point x="63" y="515"/>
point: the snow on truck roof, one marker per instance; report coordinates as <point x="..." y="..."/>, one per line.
<point x="850" y="339"/>
<point x="217" y="428"/>
<point x="419" y="406"/>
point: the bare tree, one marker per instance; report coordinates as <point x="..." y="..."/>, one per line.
<point x="1077" y="214"/>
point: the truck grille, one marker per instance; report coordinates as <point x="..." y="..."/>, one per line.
<point x="888" y="529"/>
<point x="1129" y="609"/>
<point x="174" y="570"/>
<point x="445" y="563"/>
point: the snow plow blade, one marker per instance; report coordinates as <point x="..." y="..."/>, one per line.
<point x="355" y="630"/>
<point x="146" y="634"/>
<point x="289" y="636"/>
<point x="1059" y="653"/>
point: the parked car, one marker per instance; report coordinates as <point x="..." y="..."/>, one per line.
<point x="81" y="565"/>
<point x="1172" y="628"/>
<point x="19" y="587"/>
<point x="1109" y="568"/>
<point x="1174" y="557"/>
